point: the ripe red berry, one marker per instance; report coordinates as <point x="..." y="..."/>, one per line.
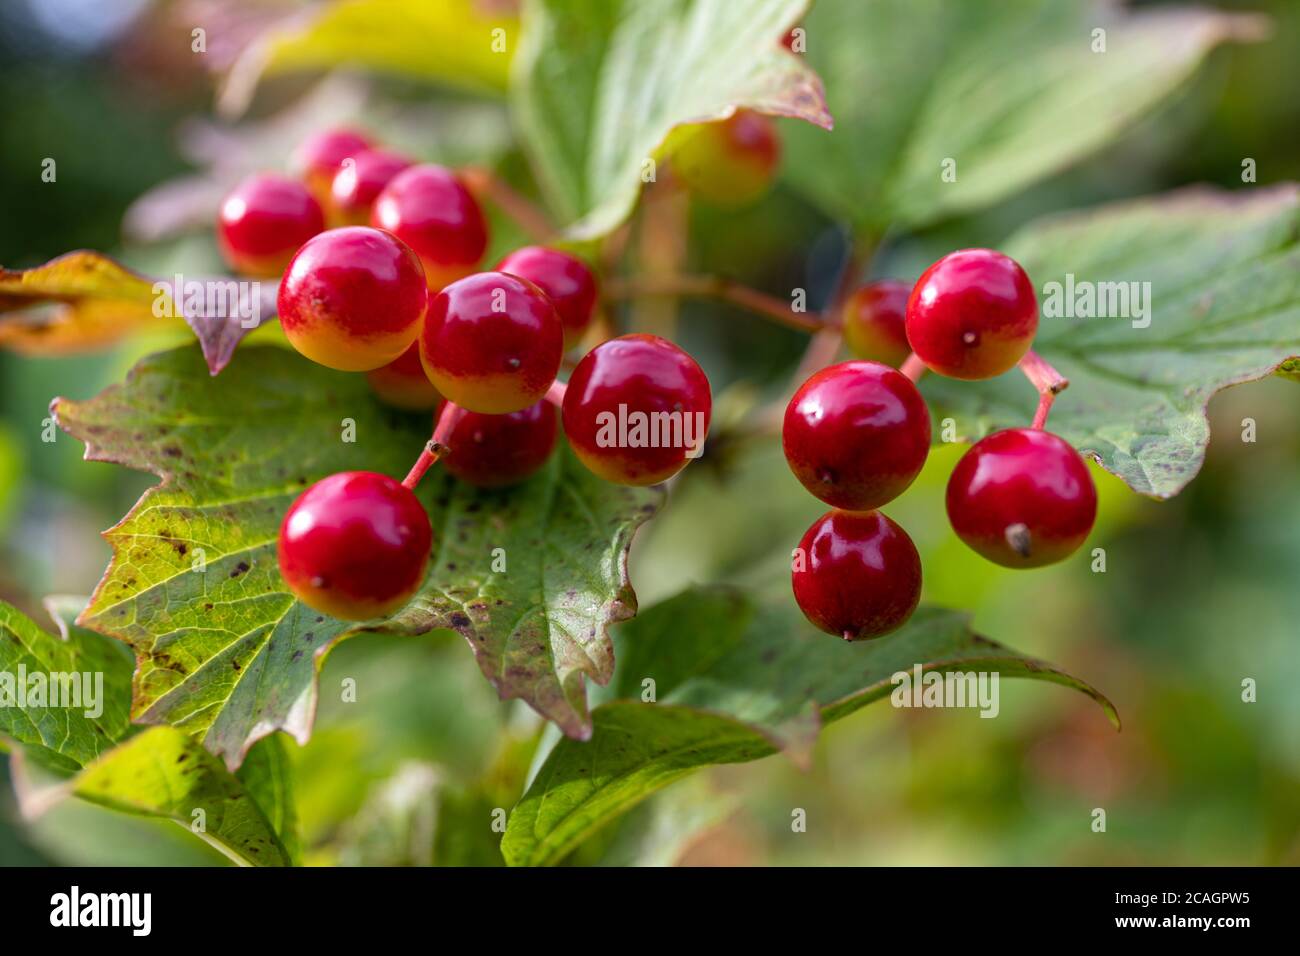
<point x="403" y="384"/>
<point x="875" y="322"/>
<point x="565" y="278"/>
<point x="637" y="409"/>
<point x="320" y="156"/>
<point x="492" y="451"/>
<point x="359" y="182"/>
<point x="1022" y="498"/>
<point x="856" y="575"/>
<point x="355" y="545"/>
<point x="352" y="299"/>
<point x="492" y="343"/>
<point x="430" y="210"/>
<point x="730" y="162"/>
<point x="263" y="221"/>
<point x="856" y="434"/>
<point x="972" y="314"/>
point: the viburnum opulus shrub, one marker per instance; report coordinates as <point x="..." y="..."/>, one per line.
<point x="460" y="421"/>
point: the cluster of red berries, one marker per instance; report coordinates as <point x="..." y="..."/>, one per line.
<point x="857" y="434"/>
<point x="392" y="290"/>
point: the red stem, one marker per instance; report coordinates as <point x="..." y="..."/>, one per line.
<point x="531" y="218"/>
<point x="714" y="287"/>
<point x="913" y="367"/>
<point x="1047" y="380"/>
<point x="436" y="446"/>
<point x="555" y="394"/>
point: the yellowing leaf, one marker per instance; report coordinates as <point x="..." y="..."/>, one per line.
<point x="461" y="43"/>
<point x="79" y="302"/>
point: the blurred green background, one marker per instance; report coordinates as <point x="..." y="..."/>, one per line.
<point x="1200" y="592"/>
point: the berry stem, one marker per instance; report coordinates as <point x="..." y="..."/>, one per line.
<point x="436" y="446"/>
<point x="661" y="240"/>
<point x="714" y="287"/>
<point x="829" y="336"/>
<point x="486" y="185"/>
<point x="555" y="394"/>
<point x="913" y="367"/>
<point x="1047" y="380"/>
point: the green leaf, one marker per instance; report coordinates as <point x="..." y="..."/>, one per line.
<point x="762" y="681"/>
<point x="660" y="831"/>
<point x="64" y="741"/>
<point x="600" y="83"/>
<point x="1008" y="90"/>
<point x="1224" y="296"/>
<point x="93" y="668"/>
<point x="164" y="773"/>
<point x="464" y="834"/>
<point x="450" y="42"/>
<point x="267" y="774"/>
<point x="225" y="652"/>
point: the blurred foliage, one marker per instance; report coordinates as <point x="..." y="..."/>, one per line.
<point x="1199" y="593"/>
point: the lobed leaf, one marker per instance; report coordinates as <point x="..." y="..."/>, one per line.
<point x="733" y="682"/>
<point x="226" y="653"/>
<point x="1220" y="273"/>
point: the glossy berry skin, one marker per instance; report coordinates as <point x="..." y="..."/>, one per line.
<point x="492" y="343"/>
<point x="355" y="545"/>
<point x="875" y="322"/>
<point x="856" y="575"/>
<point x="856" y="434"/>
<point x="261" y="224"/>
<point x="728" y="163"/>
<point x="493" y="451"/>
<point x="352" y="299"/>
<point x="615" y="405"/>
<point x="565" y="278"/>
<point x="402" y="383"/>
<point x="1022" y="498"/>
<point x="319" y="157"/>
<point x="430" y="210"/>
<point x="972" y="314"/>
<point x="359" y="182"/>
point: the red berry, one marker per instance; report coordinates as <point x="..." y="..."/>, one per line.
<point x="856" y="434"/>
<point x="355" y="545"/>
<point x="491" y="451"/>
<point x="360" y="180"/>
<point x="492" y="343"/>
<point x="972" y="314"/>
<point x="1022" y="498"/>
<point x="875" y="322"/>
<point x="565" y="278"/>
<point x="263" y="221"/>
<point x="636" y="409"/>
<point x="730" y="162"/>
<point x="320" y="156"/>
<point x="430" y="210"/>
<point x="352" y="299"/>
<point x="403" y="384"/>
<point x="856" y="575"/>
